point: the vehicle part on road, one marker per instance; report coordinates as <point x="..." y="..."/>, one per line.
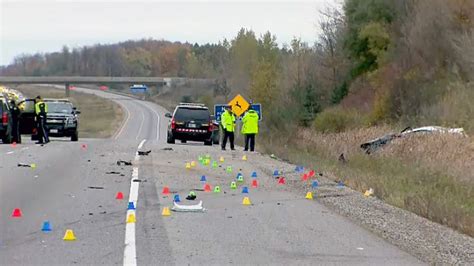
<point x="191" y="195"/>
<point x="131" y="206"/>
<point x="207" y="188"/>
<point x="315" y="184"/>
<point x="254" y="183"/>
<point x="187" y="208"/>
<point x="69" y="235"/>
<point x="217" y="189"/>
<point x="122" y="162"/>
<point x="309" y="195"/>
<point x="46" y="226"/>
<point x="176" y="198"/>
<point x="131" y="218"/>
<point x="144" y="153"/>
<point x="119" y="196"/>
<point x="244" y="158"/>
<point x="246" y="201"/>
<point x="369" y="192"/>
<point x="233" y="185"/>
<point x="203" y="178"/>
<point x="281" y="181"/>
<point x="95" y="187"/>
<point x="16" y="213"/>
<point x="245" y="190"/>
<point x="166" y="211"/>
<point x="166" y="191"/>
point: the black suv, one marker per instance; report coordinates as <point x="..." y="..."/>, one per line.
<point x="62" y="119"/>
<point x="4" y="121"/>
<point x="190" y="121"/>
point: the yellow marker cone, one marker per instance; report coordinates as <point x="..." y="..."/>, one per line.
<point x="166" y="211"/>
<point x="221" y="159"/>
<point x="69" y="235"/>
<point x="309" y="195"/>
<point x="369" y="192"/>
<point x="188" y="166"/>
<point x="33" y="165"/>
<point x="193" y="164"/>
<point x="244" y="158"/>
<point x="246" y="201"/>
<point x="131" y="218"/>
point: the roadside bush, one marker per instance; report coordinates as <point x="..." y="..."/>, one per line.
<point x="335" y="120"/>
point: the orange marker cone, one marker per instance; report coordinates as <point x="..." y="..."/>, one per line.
<point x="166" y="191"/>
<point x="254" y="183"/>
<point x="281" y="180"/>
<point x="119" y="196"/>
<point x="166" y="211"/>
<point x="16" y="213"/>
<point x="207" y="188"/>
<point x="69" y="235"/>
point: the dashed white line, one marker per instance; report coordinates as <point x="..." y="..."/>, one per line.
<point x="130" y="252"/>
<point x="141" y="125"/>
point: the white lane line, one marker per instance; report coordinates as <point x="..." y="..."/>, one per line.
<point x="130" y="251"/>
<point x="157" y="121"/>
<point x="10" y="152"/>
<point x="126" y="119"/>
<point x="141" y="125"/>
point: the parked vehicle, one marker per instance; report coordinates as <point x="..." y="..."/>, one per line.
<point x="190" y="121"/>
<point x="62" y="119"/>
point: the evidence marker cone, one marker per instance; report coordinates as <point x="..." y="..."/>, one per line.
<point x="188" y="166"/>
<point x="244" y="158"/>
<point x="33" y="165"/>
<point x="207" y="188"/>
<point x="233" y="185"/>
<point x="254" y="183"/>
<point x="193" y="163"/>
<point x="131" y="206"/>
<point x="246" y="201"/>
<point x="166" y="211"/>
<point x="245" y="190"/>
<point x="176" y="198"/>
<point x="309" y="195"/>
<point x="203" y="178"/>
<point x="315" y="184"/>
<point x="131" y="218"/>
<point x="14" y="144"/>
<point x="217" y="189"/>
<point x="46" y="226"/>
<point x="221" y="159"/>
<point x="240" y="178"/>
<point x="254" y="174"/>
<point x="16" y="213"/>
<point x="276" y="173"/>
<point x="311" y="173"/>
<point x="166" y="191"/>
<point x="281" y="181"/>
<point x="69" y="235"/>
<point x="304" y="177"/>
<point x="214" y="164"/>
<point x="229" y="169"/>
<point x="119" y="196"/>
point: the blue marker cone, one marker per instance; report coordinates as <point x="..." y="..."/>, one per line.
<point x="276" y="173"/>
<point x="254" y="174"/>
<point x="245" y="190"/>
<point x="176" y="198"/>
<point x="315" y="184"/>
<point x="297" y="169"/>
<point x="46" y="227"/>
<point x="203" y="178"/>
<point x="131" y="206"/>
<point x="340" y="184"/>
<point x="239" y="174"/>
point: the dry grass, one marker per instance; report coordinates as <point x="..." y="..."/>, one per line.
<point x="99" y="118"/>
<point x="432" y="176"/>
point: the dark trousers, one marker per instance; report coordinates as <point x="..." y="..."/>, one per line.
<point x="250" y="139"/>
<point x="42" y="130"/>
<point x="16" y="137"/>
<point x="230" y="136"/>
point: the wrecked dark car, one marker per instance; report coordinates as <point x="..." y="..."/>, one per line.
<point x="375" y="144"/>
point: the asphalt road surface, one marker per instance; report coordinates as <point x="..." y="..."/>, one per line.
<point x="74" y="186"/>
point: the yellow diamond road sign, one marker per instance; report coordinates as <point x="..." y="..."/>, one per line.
<point x="239" y="105"/>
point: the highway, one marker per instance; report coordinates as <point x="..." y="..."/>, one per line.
<point x="74" y="186"/>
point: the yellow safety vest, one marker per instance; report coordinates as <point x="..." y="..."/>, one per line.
<point x="228" y="121"/>
<point x="250" y="123"/>
<point x="41" y="107"/>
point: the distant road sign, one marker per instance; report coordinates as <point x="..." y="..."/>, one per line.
<point x="138" y="88"/>
<point x="220" y="108"/>
<point x="239" y="105"/>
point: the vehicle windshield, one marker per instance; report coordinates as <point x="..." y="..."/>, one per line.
<point x="54" y="107"/>
<point x="188" y="114"/>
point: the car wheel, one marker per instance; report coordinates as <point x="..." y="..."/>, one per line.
<point x="208" y="142"/>
<point x="183" y="141"/>
<point x="75" y="136"/>
<point x="170" y="139"/>
<point x="7" y="139"/>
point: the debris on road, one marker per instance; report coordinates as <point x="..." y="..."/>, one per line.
<point x="369" y="192"/>
<point x="139" y="180"/>
<point x="122" y="162"/>
<point x="191" y="196"/>
<point x="95" y="187"/>
<point x="113" y="173"/>
<point x="188" y="208"/>
<point x="27" y="165"/>
<point x="167" y="149"/>
<point x="144" y="153"/>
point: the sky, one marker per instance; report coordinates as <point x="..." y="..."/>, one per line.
<point x="45" y="26"/>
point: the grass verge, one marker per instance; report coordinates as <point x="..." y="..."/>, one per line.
<point x="99" y="117"/>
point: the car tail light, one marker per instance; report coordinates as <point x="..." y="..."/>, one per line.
<point x="211" y="127"/>
<point x="4" y="119"/>
<point x="173" y="124"/>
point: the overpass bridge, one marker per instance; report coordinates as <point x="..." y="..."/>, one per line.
<point x="68" y="80"/>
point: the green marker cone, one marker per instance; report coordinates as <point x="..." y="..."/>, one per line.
<point x="233" y="185"/>
<point x="217" y="189"/>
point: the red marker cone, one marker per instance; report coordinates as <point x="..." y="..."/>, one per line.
<point x="254" y="183"/>
<point x="281" y="180"/>
<point x="166" y="191"/>
<point x="84" y="146"/>
<point x="311" y="173"/>
<point x="207" y="188"/>
<point x="16" y="213"/>
<point x="14" y="144"/>
<point x="119" y="196"/>
<point x="304" y="177"/>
